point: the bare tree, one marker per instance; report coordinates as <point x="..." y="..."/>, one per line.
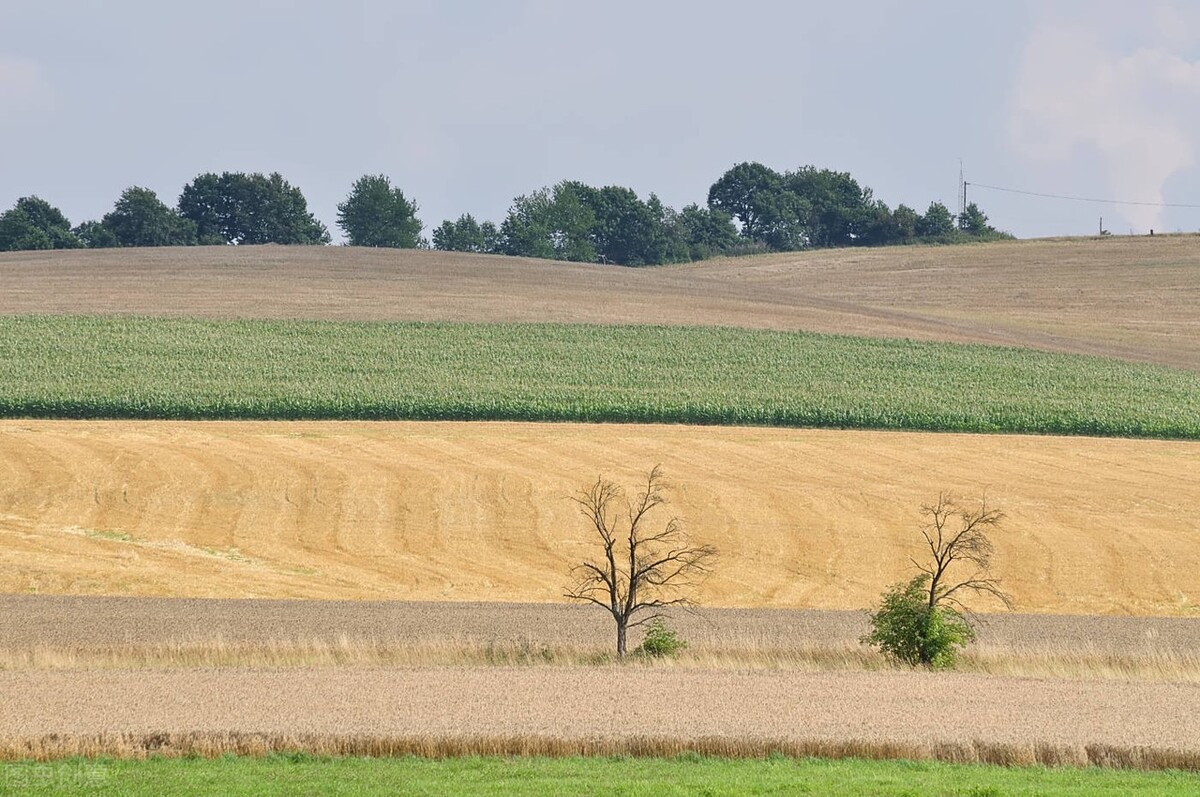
<point x="958" y="535"/>
<point x="639" y="571"/>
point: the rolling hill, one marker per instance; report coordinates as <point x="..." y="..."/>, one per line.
<point x="1129" y="298"/>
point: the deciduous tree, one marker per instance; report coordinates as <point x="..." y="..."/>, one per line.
<point x="240" y="208"/>
<point x="937" y="223"/>
<point x="924" y="620"/>
<point x="752" y="194"/>
<point x="139" y="218"/>
<point x="467" y="235"/>
<point x="640" y="569"/>
<point x="94" y="235"/>
<point x="378" y="214"/>
<point x="33" y="223"/>
<point x="973" y="221"/>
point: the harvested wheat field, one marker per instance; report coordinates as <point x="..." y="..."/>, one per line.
<point x="479" y="512"/>
<point x="556" y="709"/>
<point x="1131" y="298"/>
<point x="45" y="632"/>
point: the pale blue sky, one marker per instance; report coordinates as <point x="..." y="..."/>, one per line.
<point x="467" y="104"/>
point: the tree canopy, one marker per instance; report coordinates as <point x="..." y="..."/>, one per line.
<point x="467" y="235"/>
<point x="239" y="208"/>
<point x="140" y="218"/>
<point x="815" y="208"/>
<point x="33" y="223"/>
<point x="750" y="208"/>
<point x="376" y="214"/>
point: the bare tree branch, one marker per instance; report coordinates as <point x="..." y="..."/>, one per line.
<point x="641" y="571"/>
<point x="957" y="536"/>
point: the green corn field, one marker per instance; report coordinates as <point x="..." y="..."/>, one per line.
<point x="113" y="367"/>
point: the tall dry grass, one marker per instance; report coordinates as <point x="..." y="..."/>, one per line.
<point x="1166" y="666"/>
<point x="212" y="745"/>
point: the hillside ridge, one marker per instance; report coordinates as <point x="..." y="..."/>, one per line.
<point x="1130" y="298"/>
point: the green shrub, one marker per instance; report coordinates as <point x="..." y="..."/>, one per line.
<point x="661" y="641"/>
<point x="908" y="629"/>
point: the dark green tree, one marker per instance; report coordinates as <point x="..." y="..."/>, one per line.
<point x="937" y="223"/>
<point x="208" y="202"/>
<point x="525" y="231"/>
<point x="139" y="218"/>
<point x="33" y="223"/>
<point x="94" y="235"/>
<point x="376" y="214"/>
<point x="467" y="235"/>
<point x="885" y="227"/>
<point x="18" y="233"/>
<point x="707" y="231"/>
<point x="904" y="224"/>
<point x="751" y="193"/>
<point x="669" y="243"/>
<point x="551" y="223"/>
<point x="572" y="223"/>
<point x="240" y="208"/>
<point x="974" y="222"/>
<point x="626" y="231"/>
<point x="839" y="209"/>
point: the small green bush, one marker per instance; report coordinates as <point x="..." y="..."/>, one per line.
<point x="908" y="629"/>
<point x="661" y="641"/>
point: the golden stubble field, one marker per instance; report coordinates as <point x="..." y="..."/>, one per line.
<point x="1132" y="298"/>
<point x="479" y="512"/>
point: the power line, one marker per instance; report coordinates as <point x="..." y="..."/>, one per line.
<point x="1083" y="199"/>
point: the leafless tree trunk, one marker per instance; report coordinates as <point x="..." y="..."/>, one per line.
<point x="957" y="534"/>
<point x="638" y="571"/>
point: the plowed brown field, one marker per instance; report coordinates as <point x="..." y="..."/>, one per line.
<point x="1133" y="298"/>
<point x="440" y="511"/>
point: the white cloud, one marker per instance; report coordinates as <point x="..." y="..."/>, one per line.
<point x="1136" y="109"/>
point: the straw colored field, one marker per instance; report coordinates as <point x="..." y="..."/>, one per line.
<point x="43" y="632"/>
<point x="911" y="713"/>
<point x="1133" y="298"/>
<point x="444" y="511"/>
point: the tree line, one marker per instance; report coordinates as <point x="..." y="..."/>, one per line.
<point x="751" y="208"/>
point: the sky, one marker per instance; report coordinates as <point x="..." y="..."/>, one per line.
<point x="466" y="104"/>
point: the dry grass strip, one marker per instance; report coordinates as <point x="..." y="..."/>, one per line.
<point x="211" y="745"/>
<point x="61" y="633"/>
<point x="1162" y="666"/>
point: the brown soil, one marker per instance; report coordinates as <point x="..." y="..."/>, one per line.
<point x="1133" y="298"/>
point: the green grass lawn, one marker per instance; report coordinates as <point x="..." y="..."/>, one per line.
<point x="280" y="775"/>
<point x="106" y="367"/>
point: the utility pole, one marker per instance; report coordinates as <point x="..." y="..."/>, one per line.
<point x="962" y="190"/>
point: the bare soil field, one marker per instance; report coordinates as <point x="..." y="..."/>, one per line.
<point x="1131" y="298"/>
<point x="479" y="511"/>
<point x="905" y="712"/>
